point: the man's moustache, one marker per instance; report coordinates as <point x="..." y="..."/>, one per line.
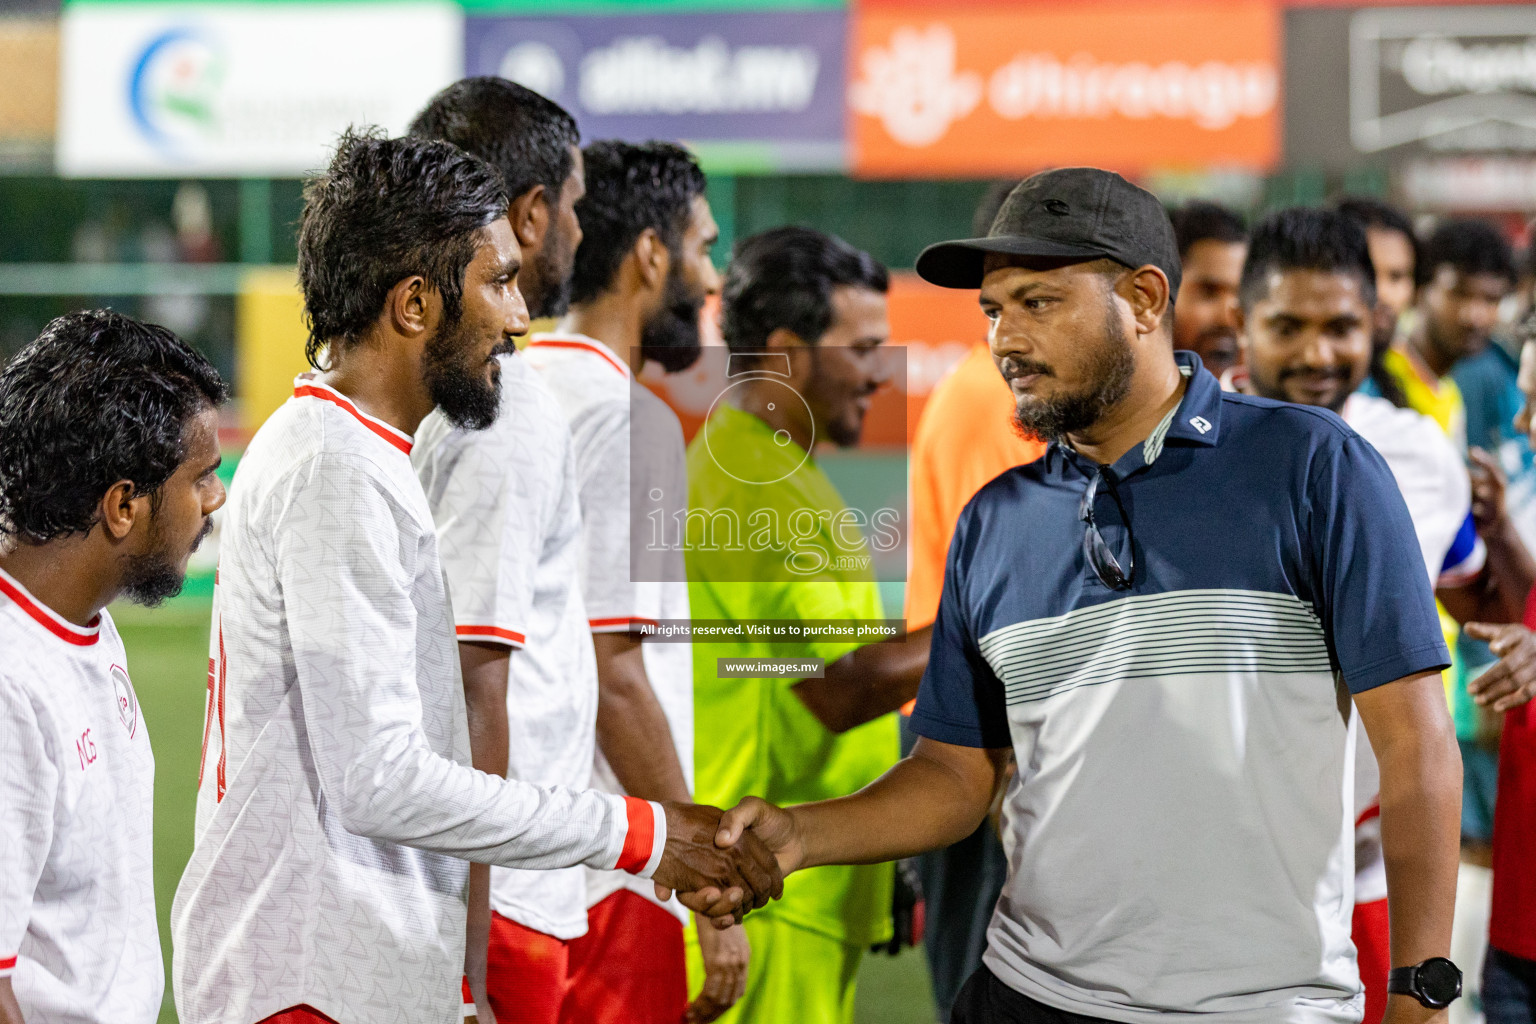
<point x="1014" y="366"/>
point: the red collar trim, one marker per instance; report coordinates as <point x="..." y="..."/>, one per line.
<point x="590" y="345"/>
<point x="303" y="388"/>
<point x="80" y="636"/>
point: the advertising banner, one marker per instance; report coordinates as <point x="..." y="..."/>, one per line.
<point x="747" y="88"/>
<point x="1008" y="90"/>
<point x="241" y="89"/>
<point x="1371" y="84"/>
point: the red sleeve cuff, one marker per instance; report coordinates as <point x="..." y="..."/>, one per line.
<point x="491" y="634"/>
<point x="620" y="624"/>
<point x="641" y="851"/>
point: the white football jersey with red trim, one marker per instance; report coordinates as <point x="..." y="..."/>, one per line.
<point x="605" y="406"/>
<point x="78" y="937"/>
<point x="336" y="796"/>
<point x="508" y="526"/>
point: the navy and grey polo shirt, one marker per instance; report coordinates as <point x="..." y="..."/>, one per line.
<point x="1180" y="829"/>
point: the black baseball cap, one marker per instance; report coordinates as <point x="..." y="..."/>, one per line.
<point x="1072" y="212"/>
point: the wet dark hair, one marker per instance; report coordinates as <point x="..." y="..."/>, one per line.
<point x="1373" y="213"/>
<point x="1471" y="246"/>
<point x="630" y="187"/>
<point x="385" y="210"/>
<point x="523" y="135"/>
<point x="98" y="397"/>
<point x="1303" y="238"/>
<point x="1198" y="221"/>
<point x="784" y="278"/>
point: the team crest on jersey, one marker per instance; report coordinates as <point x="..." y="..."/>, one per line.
<point x="127" y="700"/>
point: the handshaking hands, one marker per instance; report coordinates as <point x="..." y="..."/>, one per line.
<point x="721" y="881"/>
<point x="725" y="864"/>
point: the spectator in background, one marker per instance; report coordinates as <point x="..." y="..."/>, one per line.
<point x="1212" y="245"/>
<point x="1509" y="973"/>
<point x="801" y="303"/>
<point x="1465" y="269"/>
<point x="1471" y="273"/>
<point x="1308" y="312"/>
<point x="1395" y="255"/>
<point x="965" y="437"/>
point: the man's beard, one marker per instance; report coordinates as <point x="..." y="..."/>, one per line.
<point x="457" y="381"/>
<point x="671" y="336"/>
<point x="550" y="278"/>
<point x="1108" y="374"/>
<point x="151" y="578"/>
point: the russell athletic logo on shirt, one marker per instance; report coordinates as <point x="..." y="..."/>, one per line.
<point x="127" y="701"/>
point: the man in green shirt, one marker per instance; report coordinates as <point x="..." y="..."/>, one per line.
<point x="770" y="538"/>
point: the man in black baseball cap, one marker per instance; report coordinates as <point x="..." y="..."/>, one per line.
<point x="1072" y="214"/>
<point x="1092" y="265"/>
<point x="1181" y="710"/>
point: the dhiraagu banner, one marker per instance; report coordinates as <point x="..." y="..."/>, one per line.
<point x="241" y="89"/>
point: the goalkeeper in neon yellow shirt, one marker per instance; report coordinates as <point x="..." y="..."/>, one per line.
<point x="806" y="314"/>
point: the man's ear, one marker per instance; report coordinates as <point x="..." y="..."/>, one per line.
<point x="1242" y="327"/>
<point x="529" y="214"/>
<point x="1149" y="297"/>
<point x="121" y="507"/>
<point x="413" y="306"/>
<point x="653" y="261"/>
<point x="782" y="339"/>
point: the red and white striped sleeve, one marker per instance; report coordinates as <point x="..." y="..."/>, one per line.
<point x="645" y="837"/>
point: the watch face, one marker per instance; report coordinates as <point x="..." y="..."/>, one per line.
<point x="1439" y="980"/>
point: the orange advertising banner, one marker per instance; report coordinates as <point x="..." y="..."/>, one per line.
<point x="1128" y="86"/>
<point x="935" y="327"/>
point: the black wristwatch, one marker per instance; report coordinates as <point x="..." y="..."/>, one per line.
<point x="1435" y="982"/>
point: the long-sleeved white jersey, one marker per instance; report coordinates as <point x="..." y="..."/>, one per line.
<point x="336" y="797"/>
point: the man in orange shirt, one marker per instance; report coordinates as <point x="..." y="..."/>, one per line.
<point x="965" y="437"/>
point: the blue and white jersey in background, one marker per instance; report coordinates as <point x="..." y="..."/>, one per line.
<point x="1180" y="830"/>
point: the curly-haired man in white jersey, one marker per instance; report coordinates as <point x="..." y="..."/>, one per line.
<point x="338" y="804"/>
<point x="108" y="446"/>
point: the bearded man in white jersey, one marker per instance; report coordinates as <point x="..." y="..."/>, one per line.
<point x="642" y="274"/>
<point x="509" y="526"/>
<point x="108" y="447"/>
<point x="338" y="805"/>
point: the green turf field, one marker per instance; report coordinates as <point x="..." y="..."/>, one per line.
<point x="168" y="659"/>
